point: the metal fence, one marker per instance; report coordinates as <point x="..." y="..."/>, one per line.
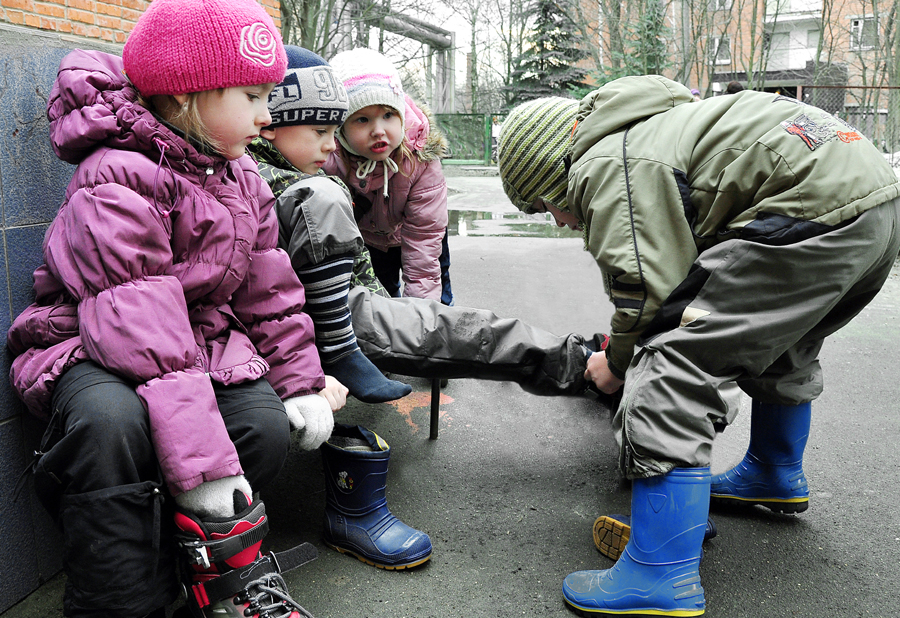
<point x="470" y="137"/>
<point x="874" y="112"/>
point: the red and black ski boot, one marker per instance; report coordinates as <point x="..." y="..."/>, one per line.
<point x="227" y="576"/>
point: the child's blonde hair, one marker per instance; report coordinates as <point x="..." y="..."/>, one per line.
<point x="185" y="116"/>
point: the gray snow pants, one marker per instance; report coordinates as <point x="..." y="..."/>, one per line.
<point x="423" y="338"/>
<point x="753" y="314"/>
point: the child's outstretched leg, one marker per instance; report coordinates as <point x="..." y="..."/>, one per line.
<point x="221" y="529"/>
<point x="427" y="339"/>
<point x="327" y="285"/>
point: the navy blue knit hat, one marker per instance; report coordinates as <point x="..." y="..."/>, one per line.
<point x="309" y="93"/>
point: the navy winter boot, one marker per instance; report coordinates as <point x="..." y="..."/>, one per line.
<point x="357" y="519"/>
<point x="771" y="473"/>
<point x="658" y="573"/>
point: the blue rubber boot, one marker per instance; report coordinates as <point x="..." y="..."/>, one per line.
<point x="357" y="519"/>
<point x="611" y="534"/>
<point x="771" y="473"/>
<point x="658" y="573"/>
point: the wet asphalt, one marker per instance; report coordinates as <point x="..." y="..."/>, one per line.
<point x="510" y="488"/>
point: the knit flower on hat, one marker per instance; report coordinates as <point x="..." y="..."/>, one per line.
<point x="258" y="44"/>
<point x="395" y="85"/>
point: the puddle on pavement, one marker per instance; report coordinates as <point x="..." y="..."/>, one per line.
<point x="487" y="223"/>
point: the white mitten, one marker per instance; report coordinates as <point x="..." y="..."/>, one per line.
<point x="311" y="416"/>
<point x="213" y="498"/>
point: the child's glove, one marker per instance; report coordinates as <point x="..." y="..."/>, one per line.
<point x="311" y="416"/>
<point x="213" y="498"/>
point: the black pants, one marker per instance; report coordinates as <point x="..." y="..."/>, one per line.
<point x="100" y="480"/>
<point x="388" y="268"/>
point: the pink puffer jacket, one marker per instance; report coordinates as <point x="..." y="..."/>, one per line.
<point x="413" y="215"/>
<point x="162" y="267"/>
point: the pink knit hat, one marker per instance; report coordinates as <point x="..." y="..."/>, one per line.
<point x="181" y="46"/>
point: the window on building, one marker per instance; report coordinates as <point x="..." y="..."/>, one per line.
<point x="863" y="33"/>
<point x="812" y="39"/>
<point x="720" y="49"/>
<point x="719" y="5"/>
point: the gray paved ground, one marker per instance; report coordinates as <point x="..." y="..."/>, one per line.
<point x="511" y="487"/>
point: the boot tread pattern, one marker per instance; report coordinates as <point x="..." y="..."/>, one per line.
<point x="610" y="536"/>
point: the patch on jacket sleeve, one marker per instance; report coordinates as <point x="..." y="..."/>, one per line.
<point x="815" y="133"/>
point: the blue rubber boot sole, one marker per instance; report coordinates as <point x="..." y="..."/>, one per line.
<point x="674" y="590"/>
<point x="380" y="540"/>
<point x="782" y="489"/>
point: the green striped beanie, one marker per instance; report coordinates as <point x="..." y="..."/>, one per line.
<point x="534" y="141"/>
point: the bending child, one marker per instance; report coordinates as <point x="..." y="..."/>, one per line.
<point x="390" y="158"/>
<point x="168" y="336"/>
<point x="734" y="236"/>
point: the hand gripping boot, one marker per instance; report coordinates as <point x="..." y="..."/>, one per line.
<point x="771" y="473"/>
<point x="658" y="573"/>
<point x="357" y="519"/>
<point x="227" y="577"/>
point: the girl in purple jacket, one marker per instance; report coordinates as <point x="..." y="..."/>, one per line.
<point x="401" y="205"/>
<point x="168" y="340"/>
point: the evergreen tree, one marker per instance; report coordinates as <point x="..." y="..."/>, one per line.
<point x="549" y="65"/>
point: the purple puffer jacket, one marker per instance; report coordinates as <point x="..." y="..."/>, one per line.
<point x="413" y="216"/>
<point x="162" y="267"/>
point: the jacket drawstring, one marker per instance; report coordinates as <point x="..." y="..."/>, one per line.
<point x="163" y="147"/>
<point x="368" y="166"/>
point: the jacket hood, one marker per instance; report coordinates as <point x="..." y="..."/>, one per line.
<point x="622" y="102"/>
<point x="422" y="135"/>
<point x="93" y="104"/>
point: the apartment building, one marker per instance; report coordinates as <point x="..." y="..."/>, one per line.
<point x="835" y="54"/>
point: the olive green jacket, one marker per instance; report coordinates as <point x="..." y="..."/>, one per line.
<point x="657" y="178"/>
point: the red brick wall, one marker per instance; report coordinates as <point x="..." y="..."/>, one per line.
<point x="108" y="20"/>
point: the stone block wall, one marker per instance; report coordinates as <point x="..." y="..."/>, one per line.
<point x="34" y="37"/>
